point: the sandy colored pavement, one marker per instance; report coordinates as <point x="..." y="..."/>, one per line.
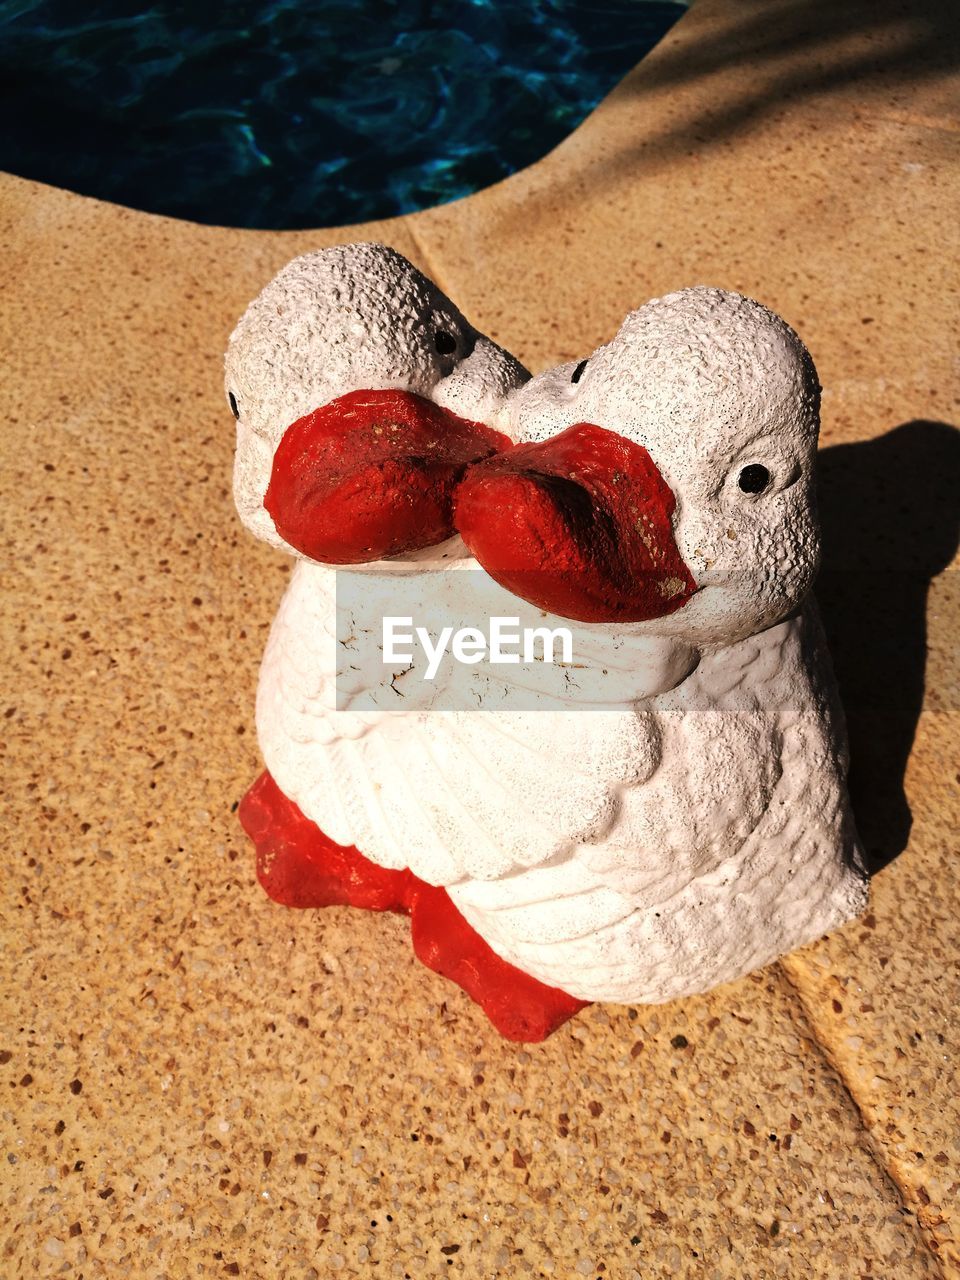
<point x="200" y="1083"/>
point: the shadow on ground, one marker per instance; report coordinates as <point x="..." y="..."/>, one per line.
<point x="890" y="510"/>
<point x="795" y="50"/>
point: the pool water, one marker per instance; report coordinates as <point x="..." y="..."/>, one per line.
<point x="287" y="114"/>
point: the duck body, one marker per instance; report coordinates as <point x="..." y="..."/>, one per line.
<point x="632" y="853"/>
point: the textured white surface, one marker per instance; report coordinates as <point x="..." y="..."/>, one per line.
<point x="341" y="319"/>
<point x="639" y="852"/>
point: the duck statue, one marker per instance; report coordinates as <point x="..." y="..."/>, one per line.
<point x="665" y="812"/>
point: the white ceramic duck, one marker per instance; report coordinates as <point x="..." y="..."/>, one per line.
<point x="677" y="831"/>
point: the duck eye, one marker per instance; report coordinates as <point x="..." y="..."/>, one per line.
<point x="445" y="343"/>
<point x="578" y="371"/>
<point x="753" y="479"/>
<point x="233" y="404"/>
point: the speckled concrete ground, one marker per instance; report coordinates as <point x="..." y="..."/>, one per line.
<point x="200" y="1083"/>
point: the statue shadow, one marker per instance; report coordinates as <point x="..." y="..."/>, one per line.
<point x="890" y="512"/>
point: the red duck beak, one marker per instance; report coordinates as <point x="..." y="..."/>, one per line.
<point x="372" y="474"/>
<point x="579" y="525"/>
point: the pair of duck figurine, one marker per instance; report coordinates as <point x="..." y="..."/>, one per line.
<point x="687" y="828"/>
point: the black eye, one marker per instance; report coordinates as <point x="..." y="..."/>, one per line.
<point x="233" y="404"/>
<point x="445" y="343"/>
<point x="753" y="479"/>
<point x="578" y="371"/>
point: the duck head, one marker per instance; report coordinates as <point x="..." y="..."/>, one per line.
<point x="361" y="394"/>
<point x="667" y="482"/>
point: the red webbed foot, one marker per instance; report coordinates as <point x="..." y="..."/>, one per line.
<point x="299" y="866"/>
<point x="519" y="1006"/>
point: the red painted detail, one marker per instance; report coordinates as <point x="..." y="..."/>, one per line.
<point x="579" y="525"/>
<point x="372" y="474"/>
<point x="299" y="866"/>
<point x="520" y="1007"/>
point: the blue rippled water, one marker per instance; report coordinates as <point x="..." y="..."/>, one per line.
<point x="287" y="114"/>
